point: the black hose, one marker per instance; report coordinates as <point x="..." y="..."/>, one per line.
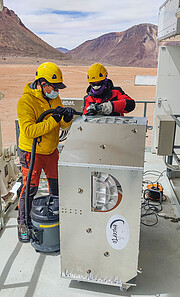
<point x="77" y="113"/>
<point x="33" y="153"/>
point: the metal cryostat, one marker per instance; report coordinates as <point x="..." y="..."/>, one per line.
<point x="100" y="183"/>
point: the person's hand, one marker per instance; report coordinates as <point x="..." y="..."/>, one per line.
<point x="106" y="108"/>
<point x="58" y="113"/>
<point x="68" y="114"/>
<point x="93" y="109"/>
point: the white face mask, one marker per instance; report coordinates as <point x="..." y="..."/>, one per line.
<point x="96" y="87"/>
<point x="52" y="95"/>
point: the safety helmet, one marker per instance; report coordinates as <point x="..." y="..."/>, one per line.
<point x="96" y="72"/>
<point x="51" y="73"/>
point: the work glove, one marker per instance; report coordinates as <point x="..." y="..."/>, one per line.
<point x="58" y="113"/>
<point x="106" y="108"/>
<point x="93" y="109"/>
<point x="68" y="114"/>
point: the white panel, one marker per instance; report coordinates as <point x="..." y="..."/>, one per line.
<point x="168" y="84"/>
<point x="169" y="23"/>
<point x="145" y="80"/>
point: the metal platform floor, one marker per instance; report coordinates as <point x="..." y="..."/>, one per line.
<point x="26" y="273"/>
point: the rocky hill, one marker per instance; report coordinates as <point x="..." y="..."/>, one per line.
<point x="16" y="40"/>
<point x="135" y="47"/>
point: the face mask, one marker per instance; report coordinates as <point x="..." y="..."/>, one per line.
<point x="52" y="95"/>
<point x="98" y="88"/>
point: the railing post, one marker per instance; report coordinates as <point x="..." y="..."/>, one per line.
<point x="145" y="108"/>
<point x="145" y="105"/>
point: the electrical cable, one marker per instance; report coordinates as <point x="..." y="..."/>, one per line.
<point x="153" y="172"/>
<point x="153" y="208"/>
<point x="152" y="198"/>
<point x="150" y="208"/>
<point x="172" y="219"/>
<point x="28" y="182"/>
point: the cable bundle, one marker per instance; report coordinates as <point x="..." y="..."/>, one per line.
<point x="152" y="198"/>
<point x="154" y="192"/>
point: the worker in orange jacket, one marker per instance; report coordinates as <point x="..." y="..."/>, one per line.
<point x="39" y="96"/>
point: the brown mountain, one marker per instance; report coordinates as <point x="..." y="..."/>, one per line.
<point x="135" y="47"/>
<point x="16" y="40"/>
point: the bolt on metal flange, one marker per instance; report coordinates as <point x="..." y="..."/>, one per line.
<point x="80" y="191"/>
<point x="106" y="254"/>
<point x="103" y="146"/>
<point x="139" y="270"/>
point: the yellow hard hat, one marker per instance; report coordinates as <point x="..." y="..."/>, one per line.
<point x="51" y="73"/>
<point x="96" y="72"/>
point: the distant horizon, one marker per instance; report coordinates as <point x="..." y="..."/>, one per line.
<point x="69" y="24"/>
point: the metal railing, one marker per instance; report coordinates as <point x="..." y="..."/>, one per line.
<point x="78" y="103"/>
<point x="73" y="102"/>
<point x="145" y="104"/>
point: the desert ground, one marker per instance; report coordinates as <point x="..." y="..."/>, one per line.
<point x="13" y="77"/>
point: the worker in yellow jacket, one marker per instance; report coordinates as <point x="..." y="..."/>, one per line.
<point x="39" y="96"/>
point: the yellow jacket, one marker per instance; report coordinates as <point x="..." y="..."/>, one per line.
<point x="30" y="106"/>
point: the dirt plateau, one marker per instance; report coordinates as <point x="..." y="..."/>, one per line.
<point x="13" y="77"/>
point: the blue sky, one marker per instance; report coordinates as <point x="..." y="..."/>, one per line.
<point x="68" y="23"/>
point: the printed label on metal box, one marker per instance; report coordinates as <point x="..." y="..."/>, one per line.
<point x="117" y="232"/>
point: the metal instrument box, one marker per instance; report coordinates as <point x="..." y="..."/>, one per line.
<point x="169" y="19"/>
<point x="165" y="135"/>
<point x="100" y="179"/>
